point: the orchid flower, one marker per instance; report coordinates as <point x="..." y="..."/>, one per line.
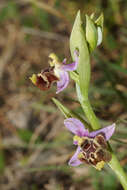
<point x="57" y="72"/>
<point x="92" y="146"/>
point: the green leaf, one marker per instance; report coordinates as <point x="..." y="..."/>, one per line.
<point x="68" y="113"/>
<point x="78" y="41"/>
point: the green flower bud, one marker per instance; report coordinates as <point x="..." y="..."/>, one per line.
<point x="91" y="33"/>
<point x="94" y="30"/>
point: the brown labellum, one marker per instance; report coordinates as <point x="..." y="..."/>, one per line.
<point x="94" y="150"/>
<point x="46" y="78"/>
<point x="100" y="140"/>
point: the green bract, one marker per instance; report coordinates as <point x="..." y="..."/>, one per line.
<point x="78" y="41"/>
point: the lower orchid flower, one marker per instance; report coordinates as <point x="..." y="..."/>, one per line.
<point x="57" y="72"/>
<point x="92" y="146"/>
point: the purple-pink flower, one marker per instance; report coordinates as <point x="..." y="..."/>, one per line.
<point x="57" y="72"/>
<point x="92" y="147"/>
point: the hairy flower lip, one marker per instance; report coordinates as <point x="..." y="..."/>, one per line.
<point x="77" y="128"/>
<point x="44" y="79"/>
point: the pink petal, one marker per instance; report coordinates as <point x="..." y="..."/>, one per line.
<point x="74" y="161"/>
<point x="107" y="131"/>
<point x="64" y="61"/>
<point x="70" y="67"/>
<point x="76" y="55"/>
<point x="63" y="82"/>
<point x="75" y="142"/>
<point x="76" y="127"/>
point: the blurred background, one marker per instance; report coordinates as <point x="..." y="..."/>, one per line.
<point x="34" y="145"/>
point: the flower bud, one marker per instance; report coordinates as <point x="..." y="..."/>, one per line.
<point x="94" y="29"/>
<point x="91" y="33"/>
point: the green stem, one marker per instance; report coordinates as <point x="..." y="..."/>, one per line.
<point x="115" y="165"/>
<point x="84" y="101"/>
<point x="90" y="114"/>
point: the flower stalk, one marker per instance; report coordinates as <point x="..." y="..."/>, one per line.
<point x="84" y="101"/>
<point x="116" y="167"/>
<point x="85" y="44"/>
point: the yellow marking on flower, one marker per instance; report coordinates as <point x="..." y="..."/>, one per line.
<point x="78" y="139"/>
<point x="54" y="60"/>
<point x="33" y="79"/>
<point x="80" y="155"/>
<point x="100" y="165"/>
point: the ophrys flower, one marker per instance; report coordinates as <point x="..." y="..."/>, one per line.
<point x="92" y="146"/>
<point x="57" y="72"/>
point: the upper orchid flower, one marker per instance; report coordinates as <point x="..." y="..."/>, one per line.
<point x="57" y="72"/>
<point x="92" y="147"/>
